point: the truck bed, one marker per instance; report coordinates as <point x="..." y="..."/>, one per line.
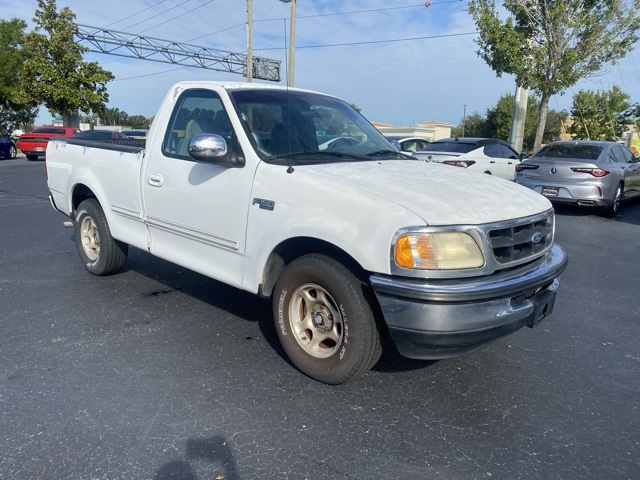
<point x="131" y="145"/>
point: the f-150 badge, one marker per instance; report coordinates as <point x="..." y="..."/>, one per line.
<point x="264" y="203"/>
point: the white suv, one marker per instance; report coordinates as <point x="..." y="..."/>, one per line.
<point x="484" y="155"/>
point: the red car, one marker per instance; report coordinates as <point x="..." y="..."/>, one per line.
<point x="34" y="144"/>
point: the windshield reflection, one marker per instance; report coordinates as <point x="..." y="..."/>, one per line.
<point x="304" y="127"/>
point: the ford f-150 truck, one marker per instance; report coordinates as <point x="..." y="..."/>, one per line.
<point x="355" y="243"/>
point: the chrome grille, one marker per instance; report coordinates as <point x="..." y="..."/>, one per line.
<point x="521" y="241"/>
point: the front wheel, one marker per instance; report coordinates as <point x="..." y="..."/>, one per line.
<point x="100" y="253"/>
<point x="323" y="320"/>
<point x="13" y="153"/>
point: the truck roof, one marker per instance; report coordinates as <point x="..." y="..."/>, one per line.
<point x="228" y="85"/>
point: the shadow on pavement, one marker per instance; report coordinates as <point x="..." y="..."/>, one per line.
<point x="214" y="450"/>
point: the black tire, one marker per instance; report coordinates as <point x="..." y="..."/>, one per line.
<point x="612" y="210"/>
<point x="13" y="153"/>
<point x="324" y="321"/>
<point x="32" y="158"/>
<point x="100" y="253"/>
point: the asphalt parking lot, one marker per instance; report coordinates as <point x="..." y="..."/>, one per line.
<point x="160" y="373"/>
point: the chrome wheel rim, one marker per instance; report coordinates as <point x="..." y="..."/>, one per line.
<point x="616" y="200"/>
<point x="12" y="152"/>
<point x="315" y="320"/>
<point x="90" y="238"/>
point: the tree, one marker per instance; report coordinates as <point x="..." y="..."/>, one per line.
<point x="633" y="114"/>
<point x="475" y="125"/>
<point x="15" y="111"/>
<point x="54" y="73"/>
<point x="499" y="120"/>
<point x="551" y="44"/>
<point x="600" y="115"/>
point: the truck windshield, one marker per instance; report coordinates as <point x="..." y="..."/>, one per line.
<point x="304" y="127"/>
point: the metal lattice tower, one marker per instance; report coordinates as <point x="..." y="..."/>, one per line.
<point x="129" y="45"/>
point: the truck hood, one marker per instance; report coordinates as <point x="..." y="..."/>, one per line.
<point x="439" y="194"/>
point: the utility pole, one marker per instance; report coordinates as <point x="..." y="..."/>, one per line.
<point x="292" y="41"/>
<point x="249" y="41"/>
<point x="464" y="119"/>
<point x="518" y="118"/>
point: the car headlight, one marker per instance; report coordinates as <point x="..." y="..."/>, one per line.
<point x="437" y="251"/>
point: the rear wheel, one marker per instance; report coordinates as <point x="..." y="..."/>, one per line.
<point x="324" y="321"/>
<point x="98" y="250"/>
<point x="32" y="158"/>
<point x="612" y="210"/>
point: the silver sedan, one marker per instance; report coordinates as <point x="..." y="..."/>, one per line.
<point x="585" y="173"/>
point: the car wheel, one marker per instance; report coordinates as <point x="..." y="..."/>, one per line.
<point x="32" y="158"/>
<point x="98" y="250"/>
<point x="12" y="152"/>
<point x="323" y="320"/>
<point x="612" y="210"/>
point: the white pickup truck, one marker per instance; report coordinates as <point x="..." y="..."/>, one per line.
<point x="355" y="243"/>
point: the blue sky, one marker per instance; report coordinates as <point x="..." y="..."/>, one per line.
<point x="400" y="62"/>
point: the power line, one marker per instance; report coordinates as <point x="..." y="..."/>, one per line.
<point x="375" y="41"/>
<point x="421" y="5"/>
<point x="355" y="12"/>
<point x="181" y="15"/>
<point x="154" y="16"/>
<point x="135" y="14"/>
<point x="149" y="74"/>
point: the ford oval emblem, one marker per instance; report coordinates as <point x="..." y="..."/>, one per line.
<point x="537" y="237"/>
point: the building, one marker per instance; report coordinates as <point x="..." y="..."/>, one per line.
<point x="430" y="130"/>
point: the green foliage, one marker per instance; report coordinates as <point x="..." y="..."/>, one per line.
<point x="473" y="125"/>
<point x="15" y="111"/>
<point x="551" y="44"/>
<point x="600" y="115"/>
<point x="633" y="114"/>
<point x="496" y="123"/>
<point x="54" y="73"/>
<point x="115" y="116"/>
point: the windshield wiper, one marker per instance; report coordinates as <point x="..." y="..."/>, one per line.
<point x="379" y="153"/>
<point x="314" y="153"/>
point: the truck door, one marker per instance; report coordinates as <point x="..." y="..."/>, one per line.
<point x="195" y="212"/>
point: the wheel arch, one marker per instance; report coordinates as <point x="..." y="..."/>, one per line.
<point x="80" y="193"/>
<point x="292" y="248"/>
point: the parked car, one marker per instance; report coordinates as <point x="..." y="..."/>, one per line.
<point x="407" y="145"/>
<point x="34" y="144"/>
<point x="7" y="148"/>
<point x="137" y="134"/>
<point x="484" y="155"/>
<point x="338" y="142"/>
<point x="585" y="173"/>
<point x="100" y="134"/>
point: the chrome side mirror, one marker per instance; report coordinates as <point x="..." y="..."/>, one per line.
<point x="208" y="148"/>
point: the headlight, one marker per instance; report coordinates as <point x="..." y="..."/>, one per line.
<point x="438" y="251"/>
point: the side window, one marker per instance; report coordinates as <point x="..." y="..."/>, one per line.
<point x="492" y="150"/>
<point x="410" y="146"/>
<point x="508" y="152"/>
<point x="628" y="156"/>
<point x="196" y="111"/>
<point x="618" y="155"/>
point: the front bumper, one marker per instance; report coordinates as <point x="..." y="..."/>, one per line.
<point x="433" y="319"/>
